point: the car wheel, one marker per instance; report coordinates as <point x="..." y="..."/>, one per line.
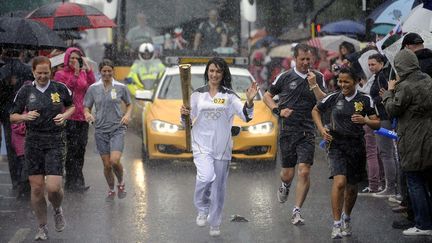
<point x="145" y="156"/>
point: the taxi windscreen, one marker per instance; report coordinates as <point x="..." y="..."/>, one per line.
<point x="171" y="87"/>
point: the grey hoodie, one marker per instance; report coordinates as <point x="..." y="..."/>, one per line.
<point x="411" y="103"/>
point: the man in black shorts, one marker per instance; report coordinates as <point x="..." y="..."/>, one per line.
<point x="298" y="91"/>
<point x="44" y="106"/>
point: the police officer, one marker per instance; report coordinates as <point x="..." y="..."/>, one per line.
<point x="49" y="104"/>
<point x="144" y="71"/>
<point x="298" y="90"/>
<point x="350" y="110"/>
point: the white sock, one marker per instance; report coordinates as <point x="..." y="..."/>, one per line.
<point x="337" y="223"/>
<point x="286" y="185"/>
<point x="345" y="217"/>
<point x="296" y="209"/>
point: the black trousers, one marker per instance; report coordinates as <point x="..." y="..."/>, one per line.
<point x="11" y="155"/>
<point x="76" y="141"/>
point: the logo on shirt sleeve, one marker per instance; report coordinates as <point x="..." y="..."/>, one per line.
<point x="55" y="97"/>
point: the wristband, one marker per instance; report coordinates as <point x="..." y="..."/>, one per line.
<point x="313" y="87"/>
<point x="276" y="111"/>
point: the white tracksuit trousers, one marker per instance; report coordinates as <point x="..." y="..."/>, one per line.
<point x="210" y="187"/>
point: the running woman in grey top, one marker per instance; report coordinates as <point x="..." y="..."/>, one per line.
<point x="110" y="123"/>
<point x="212" y="111"/>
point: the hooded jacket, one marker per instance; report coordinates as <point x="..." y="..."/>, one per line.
<point x="411" y="103"/>
<point x="77" y="84"/>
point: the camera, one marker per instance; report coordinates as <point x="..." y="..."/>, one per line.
<point x="336" y="67"/>
<point x="80" y="62"/>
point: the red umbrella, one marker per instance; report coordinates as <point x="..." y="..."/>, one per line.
<point x="67" y="16"/>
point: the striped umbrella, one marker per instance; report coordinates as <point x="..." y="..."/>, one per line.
<point x="332" y="42"/>
<point x="71" y="16"/>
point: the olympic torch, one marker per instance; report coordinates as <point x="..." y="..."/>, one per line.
<point x="185" y="76"/>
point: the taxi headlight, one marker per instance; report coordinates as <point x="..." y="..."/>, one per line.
<point x="261" y="128"/>
<point x="165" y="127"/>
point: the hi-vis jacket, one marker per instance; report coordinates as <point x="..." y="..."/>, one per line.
<point x="212" y="119"/>
<point x="143" y="71"/>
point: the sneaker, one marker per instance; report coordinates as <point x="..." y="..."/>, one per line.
<point x="399" y="209"/>
<point x="121" y="191"/>
<point x="367" y="192"/>
<point x="201" y="220"/>
<point x="383" y="194"/>
<point x="396" y="198"/>
<point x="282" y="194"/>
<point x="416" y="231"/>
<point x="346" y="228"/>
<point x="59" y="220"/>
<point x="403" y="224"/>
<point x="336" y="232"/>
<point x="214" y="231"/>
<point x="42" y="233"/>
<point x="111" y="196"/>
<point x="297" y="219"/>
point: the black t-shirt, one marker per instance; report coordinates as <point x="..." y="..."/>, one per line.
<point x="294" y="93"/>
<point x="342" y="109"/>
<point x="211" y="35"/>
<point x="48" y="104"/>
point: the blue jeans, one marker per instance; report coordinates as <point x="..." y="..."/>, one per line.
<point x="420" y="198"/>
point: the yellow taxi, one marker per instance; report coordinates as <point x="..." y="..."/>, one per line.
<point x="157" y="115"/>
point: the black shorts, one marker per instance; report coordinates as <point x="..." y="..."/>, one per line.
<point x="347" y="156"/>
<point x="296" y="147"/>
<point x="45" y="158"/>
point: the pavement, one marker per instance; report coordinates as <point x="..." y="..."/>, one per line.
<point x="159" y="206"/>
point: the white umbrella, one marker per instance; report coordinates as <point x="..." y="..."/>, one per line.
<point x="281" y="51"/>
<point x="420" y="18"/>
<point x="332" y="42"/>
<point x="391" y="51"/>
<point x="363" y="61"/>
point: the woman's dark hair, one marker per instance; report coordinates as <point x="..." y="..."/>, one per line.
<point x="40" y="60"/>
<point x="351" y="72"/>
<point x="348" y="45"/>
<point x="226" y="76"/>
<point x="106" y="62"/>
<point x="378" y="57"/>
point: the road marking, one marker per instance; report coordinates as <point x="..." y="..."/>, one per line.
<point x="20" y="235"/>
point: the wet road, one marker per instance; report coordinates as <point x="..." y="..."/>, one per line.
<point x="159" y="207"/>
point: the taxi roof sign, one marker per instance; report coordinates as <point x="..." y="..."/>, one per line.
<point x="204" y="60"/>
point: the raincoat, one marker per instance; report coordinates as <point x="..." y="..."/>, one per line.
<point x="77" y="84"/>
<point x="411" y="104"/>
<point x="143" y="74"/>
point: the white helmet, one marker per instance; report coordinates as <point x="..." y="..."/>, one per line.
<point x="146" y="51"/>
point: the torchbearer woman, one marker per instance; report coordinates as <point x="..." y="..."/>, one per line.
<point x="212" y="111"/>
<point x="350" y="110"/>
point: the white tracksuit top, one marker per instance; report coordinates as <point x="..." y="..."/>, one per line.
<point x="212" y="119"/>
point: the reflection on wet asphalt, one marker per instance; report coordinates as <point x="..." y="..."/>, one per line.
<point x="159" y="207"/>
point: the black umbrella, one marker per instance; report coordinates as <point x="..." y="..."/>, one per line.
<point x="22" y="33"/>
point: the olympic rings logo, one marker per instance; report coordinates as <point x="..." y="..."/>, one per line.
<point x="211" y="115"/>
